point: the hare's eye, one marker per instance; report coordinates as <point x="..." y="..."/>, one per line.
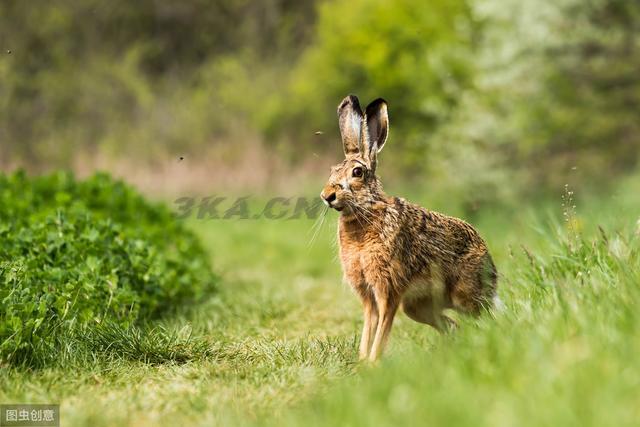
<point x="357" y="172"/>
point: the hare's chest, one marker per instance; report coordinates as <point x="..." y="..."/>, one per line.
<point x="361" y="261"/>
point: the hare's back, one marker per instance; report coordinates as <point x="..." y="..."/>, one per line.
<point x="442" y="236"/>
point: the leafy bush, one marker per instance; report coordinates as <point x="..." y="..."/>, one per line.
<point x="75" y="253"/>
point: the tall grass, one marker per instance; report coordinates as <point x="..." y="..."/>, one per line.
<point x="564" y="352"/>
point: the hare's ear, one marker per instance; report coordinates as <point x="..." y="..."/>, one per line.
<point x="377" y="124"/>
<point x="350" y="120"/>
<point x="375" y="130"/>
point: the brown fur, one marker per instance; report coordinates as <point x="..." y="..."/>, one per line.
<point x="395" y="253"/>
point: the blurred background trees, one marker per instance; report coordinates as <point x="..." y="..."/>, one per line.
<point x="489" y="99"/>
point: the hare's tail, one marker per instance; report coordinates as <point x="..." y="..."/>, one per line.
<point x="498" y="305"/>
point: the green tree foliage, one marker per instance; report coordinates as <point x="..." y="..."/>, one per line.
<point x="76" y="75"/>
<point x="593" y="85"/>
<point x="418" y="58"/>
<point x="551" y="102"/>
<point x="481" y="92"/>
<point x="78" y="253"/>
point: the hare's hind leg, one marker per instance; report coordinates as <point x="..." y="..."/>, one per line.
<point x="425" y="310"/>
<point x="425" y="300"/>
<point x="475" y="289"/>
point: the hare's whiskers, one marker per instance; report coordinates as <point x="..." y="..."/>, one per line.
<point x="366" y="216"/>
<point x="317" y="226"/>
<point x="355" y="213"/>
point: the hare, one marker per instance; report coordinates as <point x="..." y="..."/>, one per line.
<point x="395" y="253"/>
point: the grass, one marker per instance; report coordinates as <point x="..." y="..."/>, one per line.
<point x="563" y="353"/>
<point x="277" y="344"/>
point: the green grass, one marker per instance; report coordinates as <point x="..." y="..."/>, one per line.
<point x="277" y="344"/>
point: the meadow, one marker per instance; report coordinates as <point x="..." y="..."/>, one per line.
<point x="520" y="116"/>
<point x="277" y="343"/>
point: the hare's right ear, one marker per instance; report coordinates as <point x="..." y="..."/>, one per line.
<point x="350" y="120"/>
<point x="376" y="130"/>
<point x="377" y="124"/>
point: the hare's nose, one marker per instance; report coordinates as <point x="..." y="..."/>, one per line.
<point x="329" y="198"/>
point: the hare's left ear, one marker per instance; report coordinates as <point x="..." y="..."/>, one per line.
<point x="377" y="129"/>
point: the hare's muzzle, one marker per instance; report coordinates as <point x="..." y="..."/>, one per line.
<point x="328" y="198"/>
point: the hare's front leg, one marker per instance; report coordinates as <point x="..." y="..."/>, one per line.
<point x="387" y="308"/>
<point x="370" y="323"/>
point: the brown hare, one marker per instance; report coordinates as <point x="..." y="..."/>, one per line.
<point x="395" y="253"/>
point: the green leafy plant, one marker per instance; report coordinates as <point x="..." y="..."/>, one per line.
<point x="79" y="253"/>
